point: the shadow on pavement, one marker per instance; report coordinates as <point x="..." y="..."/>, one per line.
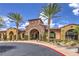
<point x="6" y="48"/>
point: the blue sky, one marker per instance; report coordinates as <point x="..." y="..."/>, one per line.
<point x="69" y="13"/>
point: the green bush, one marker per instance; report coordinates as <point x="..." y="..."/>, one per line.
<point x="71" y="43"/>
<point x="68" y="42"/>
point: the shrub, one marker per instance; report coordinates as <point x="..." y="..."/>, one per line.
<point x="67" y="42"/>
<point x="71" y="43"/>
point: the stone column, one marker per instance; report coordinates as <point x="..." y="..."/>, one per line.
<point x="28" y="36"/>
<point x="2" y="37"/>
<point x="7" y="36"/>
<point x="21" y="35"/>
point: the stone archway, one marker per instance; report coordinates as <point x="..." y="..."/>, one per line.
<point x="11" y="35"/>
<point x="71" y="34"/>
<point x="34" y="34"/>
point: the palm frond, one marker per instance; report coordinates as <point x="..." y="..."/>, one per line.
<point x="1" y="25"/>
<point x="15" y="17"/>
<point x="1" y="21"/>
<point x="51" y="9"/>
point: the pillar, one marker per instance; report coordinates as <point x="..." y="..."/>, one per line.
<point x="28" y="36"/>
<point x="2" y="38"/>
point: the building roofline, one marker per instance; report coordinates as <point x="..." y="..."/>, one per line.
<point x="35" y="19"/>
<point x="69" y="25"/>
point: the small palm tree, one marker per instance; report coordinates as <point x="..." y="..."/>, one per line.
<point x="50" y="11"/>
<point x="17" y="18"/>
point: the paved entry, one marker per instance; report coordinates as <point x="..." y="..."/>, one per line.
<point x="26" y="49"/>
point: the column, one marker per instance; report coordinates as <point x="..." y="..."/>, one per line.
<point x="2" y="37"/>
<point x="28" y="36"/>
<point x="21" y="35"/>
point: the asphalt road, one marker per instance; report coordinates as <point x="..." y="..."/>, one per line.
<point x="25" y="49"/>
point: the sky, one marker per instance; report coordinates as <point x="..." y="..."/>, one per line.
<point x="69" y="14"/>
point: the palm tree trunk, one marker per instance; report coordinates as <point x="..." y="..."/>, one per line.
<point x="48" y="29"/>
<point x="17" y="32"/>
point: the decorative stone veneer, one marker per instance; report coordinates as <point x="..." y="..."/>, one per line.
<point x="36" y="24"/>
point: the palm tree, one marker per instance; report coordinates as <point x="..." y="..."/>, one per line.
<point x="17" y="18"/>
<point x="50" y="11"/>
<point x="1" y="21"/>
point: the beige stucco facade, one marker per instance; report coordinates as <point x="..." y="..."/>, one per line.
<point x="35" y="29"/>
<point x="66" y="28"/>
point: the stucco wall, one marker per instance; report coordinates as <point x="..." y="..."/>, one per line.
<point x="57" y="33"/>
<point x="66" y="28"/>
<point x="9" y="30"/>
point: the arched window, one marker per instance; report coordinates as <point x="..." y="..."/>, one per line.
<point x="71" y="34"/>
<point x="11" y="35"/>
<point x="52" y="35"/>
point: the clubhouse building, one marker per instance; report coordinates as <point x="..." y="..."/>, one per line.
<point x="36" y="30"/>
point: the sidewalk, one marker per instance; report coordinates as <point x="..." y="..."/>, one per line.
<point x="50" y="45"/>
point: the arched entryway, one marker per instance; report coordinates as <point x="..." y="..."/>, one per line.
<point x="11" y="35"/>
<point x="71" y="34"/>
<point x="34" y="34"/>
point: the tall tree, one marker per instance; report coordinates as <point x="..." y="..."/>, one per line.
<point x="50" y="11"/>
<point x="17" y="18"/>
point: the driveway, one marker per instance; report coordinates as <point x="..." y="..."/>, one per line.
<point x="26" y="49"/>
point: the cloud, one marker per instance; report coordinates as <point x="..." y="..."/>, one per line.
<point x="6" y="21"/>
<point x="75" y="7"/>
<point x="7" y="24"/>
<point x="76" y="11"/>
<point x="60" y="25"/>
<point x="3" y="29"/>
<point x="23" y="25"/>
